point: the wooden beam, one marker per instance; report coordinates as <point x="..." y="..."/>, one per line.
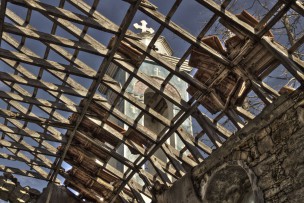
<point x="19" y="155"/>
<point x="294" y="65"/>
<point x="32" y="134"/>
<point x="265" y="41"/>
<point x="160" y="18"/>
<point x="150" y="82"/>
<point x="113" y="171"/>
<point x="40" y="102"/>
<point x="268" y="15"/>
<point x="133" y="146"/>
<point x="127" y="120"/>
<point x="43" y="158"/>
<point x="162" y="174"/>
<point x="28" y="148"/>
<point x="298" y="7"/>
<point x="135" y="192"/>
<point x="42" y="121"/>
<point x="60" y="50"/>
<point x="2" y="16"/>
<point x="21" y="172"/>
<point x="61" y="76"/>
<point x="244" y="113"/>
<point x="261" y="93"/>
<point x="190" y="146"/>
<point x="174" y="160"/>
<point x="275" y="18"/>
<point x="100" y="24"/>
<point x="46" y="64"/>
<point x="191" y="142"/>
<point x="203" y="122"/>
<point x="54" y="39"/>
<point x="13" y="157"/>
<point x="52" y="131"/>
<point x="229" y="17"/>
<point x="296" y="45"/>
<point x="24" y="72"/>
<point x="111" y="83"/>
<point x="43" y="85"/>
<point x="109" y="151"/>
<point x="180" y="155"/>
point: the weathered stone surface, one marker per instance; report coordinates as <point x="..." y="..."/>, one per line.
<point x="60" y="194"/>
<point x="229" y="183"/>
<point x="272" y="146"/>
<point x="12" y="191"/>
<point x="265" y="145"/>
<point x="182" y="192"/>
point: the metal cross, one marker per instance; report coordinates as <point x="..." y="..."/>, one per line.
<point x="157" y="71"/>
<point x="143" y="27"/>
<point x="134" y="109"/>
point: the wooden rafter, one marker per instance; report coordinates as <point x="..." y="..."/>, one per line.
<point x="39" y="112"/>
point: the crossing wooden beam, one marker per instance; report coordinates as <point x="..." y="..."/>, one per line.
<point x="100" y="24"/>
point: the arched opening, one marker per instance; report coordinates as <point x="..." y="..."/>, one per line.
<point x="160" y="105"/>
<point x="163" y="107"/>
<point x="231" y="184"/>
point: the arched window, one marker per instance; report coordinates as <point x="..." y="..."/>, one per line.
<point x="160" y="105"/>
<point x="163" y="107"/>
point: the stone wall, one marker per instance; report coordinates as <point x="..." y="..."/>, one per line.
<point x="263" y="162"/>
<point x="12" y="191"/>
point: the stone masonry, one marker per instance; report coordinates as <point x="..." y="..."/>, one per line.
<point x="263" y="162"/>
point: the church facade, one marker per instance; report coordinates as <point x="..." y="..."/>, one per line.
<point x="146" y="95"/>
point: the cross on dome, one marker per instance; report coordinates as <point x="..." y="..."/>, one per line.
<point x="143" y="27"/>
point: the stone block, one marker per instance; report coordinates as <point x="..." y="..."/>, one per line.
<point x="265" y="166"/>
<point x="265" y="144"/>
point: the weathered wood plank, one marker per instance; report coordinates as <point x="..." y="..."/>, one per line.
<point x="110" y="83"/>
<point x="127" y="120"/>
<point x="160" y="18"/>
<point x="180" y="155"/>
<point x="173" y="159"/>
<point x="134" y="146"/>
<point x="43" y="85"/>
<point x="39" y="102"/>
<point x="46" y="64"/>
<point x="100" y="24"/>
<point x="191" y="142"/>
<point x="150" y="82"/>
<point x="203" y="121"/>
<point x="292" y="63"/>
<point x="32" y="134"/>
<point x="21" y="172"/>
<point x="20" y="146"/>
<point x="298" y="7"/>
<point x="54" y="39"/>
<point x="13" y="157"/>
<point x="162" y="174"/>
<point x="43" y="121"/>
<point x="22" y="157"/>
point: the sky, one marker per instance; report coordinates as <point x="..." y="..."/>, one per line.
<point x="191" y="16"/>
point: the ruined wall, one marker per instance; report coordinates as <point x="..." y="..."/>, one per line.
<point x="263" y="162"/>
<point x="12" y="191"/>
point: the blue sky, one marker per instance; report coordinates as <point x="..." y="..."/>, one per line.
<point x="191" y="16"/>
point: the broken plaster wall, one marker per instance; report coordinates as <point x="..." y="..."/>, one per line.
<point x="263" y="162"/>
